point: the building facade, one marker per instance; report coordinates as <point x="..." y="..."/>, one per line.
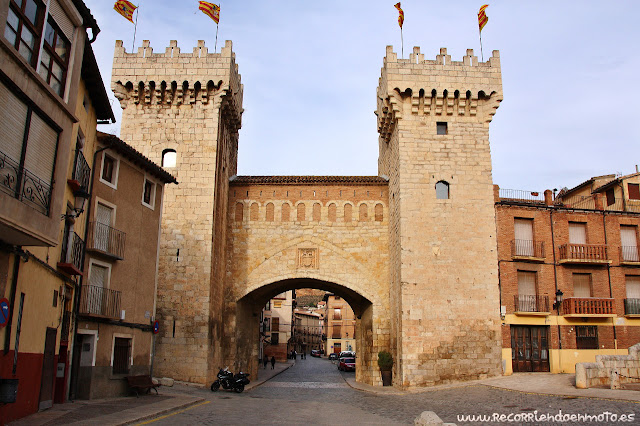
<point x="116" y="305"/>
<point x="569" y="273"/>
<point x="51" y="99"/>
<point x="340" y="325"/>
<point x="308" y="330"/>
<point x="277" y="327"/>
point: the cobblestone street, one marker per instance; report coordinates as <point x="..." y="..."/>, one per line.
<point x="313" y="391"/>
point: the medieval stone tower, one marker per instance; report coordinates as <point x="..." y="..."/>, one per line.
<point x="413" y="250"/>
<point x="187" y="105"/>
<point x="433" y="120"/>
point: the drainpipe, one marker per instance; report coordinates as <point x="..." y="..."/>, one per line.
<point x="555" y="278"/>
<point x="604" y="226"/>
<point x="12" y="301"/>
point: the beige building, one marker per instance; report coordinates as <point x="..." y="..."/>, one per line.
<point x="51" y="99"/>
<point x="277" y="327"/>
<point x="116" y="305"/>
<point x="308" y="330"/>
<point x="340" y="325"/>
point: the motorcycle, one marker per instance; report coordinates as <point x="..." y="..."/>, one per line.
<point x="228" y="380"/>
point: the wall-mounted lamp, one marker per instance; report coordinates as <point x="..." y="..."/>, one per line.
<point x="81" y="196"/>
<point x="558" y="301"/>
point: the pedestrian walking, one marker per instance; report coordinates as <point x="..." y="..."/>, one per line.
<point x="273" y="362"/>
<point x="265" y="361"/>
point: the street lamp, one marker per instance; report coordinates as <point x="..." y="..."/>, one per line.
<point x="558" y="302"/>
<point x="81" y="196"/>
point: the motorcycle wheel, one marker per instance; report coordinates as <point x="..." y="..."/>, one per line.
<point x="215" y="386"/>
<point x="239" y="388"/>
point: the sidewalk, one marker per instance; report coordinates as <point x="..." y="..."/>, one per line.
<point x="536" y="383"/>
<point x="132" y="410"/>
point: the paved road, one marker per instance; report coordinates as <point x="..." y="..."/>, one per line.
<point x="314" y="392"/>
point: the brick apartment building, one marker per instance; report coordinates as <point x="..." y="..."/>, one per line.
<point x="569" y="273"/>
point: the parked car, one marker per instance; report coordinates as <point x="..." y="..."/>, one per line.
<point x="347" y="364"/>
<point x="333" y="357"/>
<point x="315" y="352"/>
<point x="347" y="353"/>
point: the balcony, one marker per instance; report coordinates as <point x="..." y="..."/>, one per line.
<point x="71" y="256"/>
<point x="584" y="253"/>
<point x="20" y="183"/>
<point x="81" y="174"/>
<point x="100" y="302"/>
<point x="106" y="240"/>
<point x="629" y="256"/>
<point x="588" y="307"/>
<point x="521" y="196"/>
<point x="529" y="250"/>
<point x="632" y="307"/>
<point x="531" y="305"/>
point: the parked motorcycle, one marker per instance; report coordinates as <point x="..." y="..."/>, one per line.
<point x="230" y="381"/>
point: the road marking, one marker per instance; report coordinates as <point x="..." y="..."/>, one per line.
<point x="308" y="385"/>
<point x="173" y="414"/>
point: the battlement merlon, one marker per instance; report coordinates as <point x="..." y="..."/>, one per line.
<point x="440" y="87"/>
<point x="195" y="75"/>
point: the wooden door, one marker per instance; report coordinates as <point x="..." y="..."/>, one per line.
<point x="48" y="369"/>
<point x="529" y="348"/>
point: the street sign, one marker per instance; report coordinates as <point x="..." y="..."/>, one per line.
<point x="4" y="312"/>
<point x="156" y="327"/>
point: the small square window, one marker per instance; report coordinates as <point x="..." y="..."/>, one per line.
<point x="634" y="191"/>
<point x="441" y="128"/>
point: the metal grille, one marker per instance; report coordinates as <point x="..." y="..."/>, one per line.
<point x="121" y="355"/>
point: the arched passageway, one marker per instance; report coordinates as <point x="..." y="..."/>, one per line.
<point x="247" y="333"/>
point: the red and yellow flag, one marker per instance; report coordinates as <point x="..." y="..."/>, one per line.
<point x="401" y="16"/>
<point x="125" y="8"/>
<point x="482" y="17"/>
<point x="211" y="10"/>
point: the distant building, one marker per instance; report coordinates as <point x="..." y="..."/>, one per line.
<point x="308" y="330"/>
<point x="340" y="325"/>
<point x="569" y="271"/>
<point x="276" y="327"/>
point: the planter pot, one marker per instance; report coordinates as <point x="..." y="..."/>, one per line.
<point x="386" y="377"/>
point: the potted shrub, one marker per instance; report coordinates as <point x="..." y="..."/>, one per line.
<point x="385" y="362"/>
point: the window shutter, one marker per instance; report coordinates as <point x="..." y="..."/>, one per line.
<point x="629" y="243"/>
<point x="98" y="275"/>
<point x="61" y="18"/>
<point x="41" y="149"/>
<point x="13" y="118"/>
<point x="526" y="283"/>
<point x="577" y="233"/>
<point x="523" y="229"/>
<point x="581" y="285"/>
<point x="633" y="287"/>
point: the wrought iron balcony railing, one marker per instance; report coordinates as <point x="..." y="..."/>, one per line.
<point x="588" y="306"/>
<point x="81" y="173"/>
<point x="629" y="254"/>
<point x="99" y="301"/>
<point x="71" y="255"/>
<point x="106" y="240"/>
<point x="518" y="195"/>
<point x="20" y="183"/>
<point x="532" y="304"/>
<point x="583" y="253"/>
<point x="632" y="306"/>
<point x="527" y="248"/>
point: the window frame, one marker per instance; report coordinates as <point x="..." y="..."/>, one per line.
<point x="587" y="341"/>
<point x="54" y="57"/>
<point x="635" y="193"/>
<point x="442" y="125"/>
<point x="116" y="169"/>
<point x="573" y="283"/>
<point x="164" y="155"/>
<point x="152" y="203"/>
<point x="35" y="28"/>
<point x="447" y="185"/>
<point x="129" y="362"/>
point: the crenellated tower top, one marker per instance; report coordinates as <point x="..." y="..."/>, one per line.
<point x="437" y="88"/>
<point x="174" y="78"/>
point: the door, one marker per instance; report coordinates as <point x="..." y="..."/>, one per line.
<point x="529" y="348"/>
<point x="93" y="294"/>
<point x="524" y="237"/>
<point x="104" y="216"/>
<point x="48" y="369"/>
<point x="577" y="240"/>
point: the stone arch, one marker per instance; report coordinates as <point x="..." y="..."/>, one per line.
<point x="332" y="212"/>
<point x="348" y="213"/>
<point x="285" y="212"/>
<point x="301" y="212"/>
<point x="239" y="213"/>
<point x="255" y="212"/>
<point x="379" y="212"/>
<point x="270" y="213"/>
<point x="317" y="209"/>
<point x="363" y="212"/>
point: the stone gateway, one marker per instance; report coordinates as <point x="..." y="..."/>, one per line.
<point x="412" y="250"/>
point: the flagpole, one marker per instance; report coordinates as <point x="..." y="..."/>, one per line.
<point x="215" y="49"/>
<point x="481" y="53"/>
<point x="402" y="43"/>
<point x="135" y="30"/>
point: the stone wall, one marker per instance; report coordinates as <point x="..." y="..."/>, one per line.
<point x="444" y="285"/>
<point x="592" y="374"/>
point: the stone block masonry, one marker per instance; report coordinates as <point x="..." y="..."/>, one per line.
<point x="190" y="103"/>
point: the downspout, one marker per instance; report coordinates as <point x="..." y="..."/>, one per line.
<point x="604" y="226"/>
<point x="14" y="288"/>
<point x="555" y="279"/>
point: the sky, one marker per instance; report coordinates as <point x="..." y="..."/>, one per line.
<point x="310" y="70"/>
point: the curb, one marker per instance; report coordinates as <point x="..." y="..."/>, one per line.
<point x="162" y="412"/>
<point x="256" y="384"/>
